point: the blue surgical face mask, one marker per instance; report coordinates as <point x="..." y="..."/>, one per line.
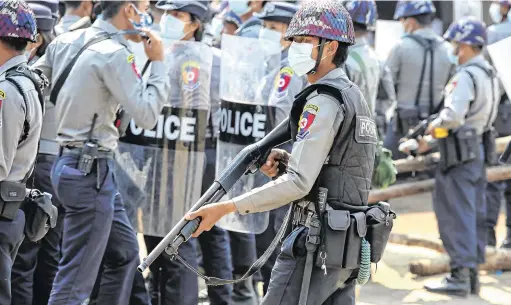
<point x="145" y="20"/>
<point x="453" y="56"/>
<point x="171" y="27"/>
<point x="239" y="7"/>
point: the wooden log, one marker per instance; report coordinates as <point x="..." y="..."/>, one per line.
<point x="416" y="241"/>
<point x="496" y="259"/>
<point x="496" y="173"/>
<point x="422" y="163"/>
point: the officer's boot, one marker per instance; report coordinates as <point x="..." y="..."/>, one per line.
<point x="491" y="239"/>
<point x="458" y="283"/>
<point x="243" y="293"/>
<point x="506" y="244"/>
<point x="475" y="285"/>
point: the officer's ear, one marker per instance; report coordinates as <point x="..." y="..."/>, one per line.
<point x="331" y="48"/>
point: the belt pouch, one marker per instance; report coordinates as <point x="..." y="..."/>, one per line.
<point x="379" y="226"/>
<point x="12" y="195"/>
<point x="407" y="119"/>
<point x="448" y="152"/>
<point x="335" y="225"/>
<point x="490" y="153"/>
<point x="503" y="121"/>
<point x="353" y="244"/>
<point x="468" y="145"/>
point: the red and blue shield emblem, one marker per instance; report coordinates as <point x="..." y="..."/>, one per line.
<point x="190" y="72"/>
<point x="282" y="82"/>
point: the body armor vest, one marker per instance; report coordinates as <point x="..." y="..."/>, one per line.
<point x="348" y="170"/>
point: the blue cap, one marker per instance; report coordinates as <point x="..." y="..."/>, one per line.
<point x="231" y="17"/>
<point x="468" y="30"/>
<point x="43" y="16"/>
<point x="362" y="12"/>
<point x="278" y="11"/>
<point x="410" y="8"/>
<point x="197" y="8"/>
<point x="53" y="5"/>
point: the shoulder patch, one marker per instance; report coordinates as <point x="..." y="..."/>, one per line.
<point x="282" y="82"/>
<point x="190" y="71"/>
<point x="365" y="130"/>
<point x="131" y="61"/>
<point x="451" y="85"/>
<point x="306" y="119"/>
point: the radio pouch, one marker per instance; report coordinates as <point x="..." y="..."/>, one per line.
<point x="40" y="215"/>
<point x="12" y="195"/>
<point x="356" y="231"/>
<point x="335" y="228"/>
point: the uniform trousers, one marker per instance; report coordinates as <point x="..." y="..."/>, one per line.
<point x="94" y="224"/>
<point x="337" y="287"/>
<point x="11" y="237"/>
<point x="36" y="264"/>
<point x="460" y="207"/>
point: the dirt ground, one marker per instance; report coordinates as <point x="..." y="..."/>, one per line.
<point x="392" y="284"/>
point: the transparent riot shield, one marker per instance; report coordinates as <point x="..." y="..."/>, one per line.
<point x="168" y="161"/>
<point x="248" y="68"/>
<point x="388" y="33"/>
<point x="499" y="53"/>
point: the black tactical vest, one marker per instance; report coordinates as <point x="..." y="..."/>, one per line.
<point x="348" y="170"/>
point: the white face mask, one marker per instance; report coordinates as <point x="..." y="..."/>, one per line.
<point x="270" y="35"/>
<point x="217" y="25"/>
<point x="171" y="27"/>
<point x="239" y="7"/>
<point x="495" y="15"/>
<point x="300" y="59"/>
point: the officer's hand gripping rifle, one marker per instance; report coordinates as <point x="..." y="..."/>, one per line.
<point x="247" y="161"/>
<point x="410" y="141"/>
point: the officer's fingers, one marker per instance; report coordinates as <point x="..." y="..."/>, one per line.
<point x="267" y="166"/>
<point x="193" y="215"/>
<point x="152" y="35"/>
<point x="274" y="170"/>
<point x="274" y="156"/>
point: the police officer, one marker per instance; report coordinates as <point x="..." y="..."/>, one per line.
<point x="245" y="9"/>
<point x="501" y="29"/>
<point x="20" y="128"/>
<point x="75" y="10"/>
<point x="82" y="174"/>
<point x="276" y="17"/>
<point x="385" y="100"/>
<point x="36" y="264"/>
<point x="363" y="67"/>
<point x="420" y="69"/>
<point x="231" y="23"/>
<point x="322" y="32"/>
<point x="469" y="110"/>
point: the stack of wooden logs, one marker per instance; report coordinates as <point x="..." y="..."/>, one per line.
<point x="496" y="173"/>
<point x="496" y="259"/>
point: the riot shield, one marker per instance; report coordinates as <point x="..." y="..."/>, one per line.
<point x="169" y="159"/>
<point x="248" y="70"/>
<point x="499" y="53"/>
<point x="388" y="33"/>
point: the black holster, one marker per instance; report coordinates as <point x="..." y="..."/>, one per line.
<point x="490" y="149"/>
<point x="459" y="147"/>
<point x="40" y="215"/>
<point x="12" y="195"/>
<point x="380" y="220"/>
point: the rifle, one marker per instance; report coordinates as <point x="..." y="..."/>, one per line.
<point x="248" y="161"/>
<point x="504" y="158"/>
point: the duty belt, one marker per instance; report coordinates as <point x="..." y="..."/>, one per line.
<point x="76" y="151"/>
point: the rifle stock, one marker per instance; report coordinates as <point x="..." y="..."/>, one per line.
<point x="247" y="161"/>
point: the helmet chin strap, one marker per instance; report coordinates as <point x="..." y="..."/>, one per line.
<point x="318" y="59"/>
